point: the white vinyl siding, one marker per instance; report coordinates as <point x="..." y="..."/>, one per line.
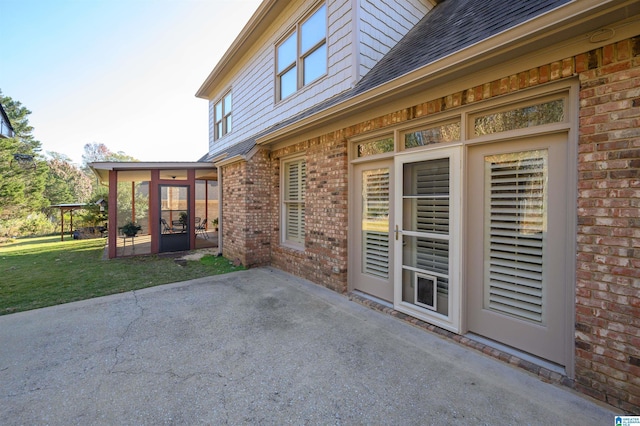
<point x="515" y="199"/>
<point x="253" y="82"/>
<point x="295" y="181"/>
<point x="382" y="24"/>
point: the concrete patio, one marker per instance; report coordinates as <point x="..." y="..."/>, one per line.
<point x="257" y="347"/>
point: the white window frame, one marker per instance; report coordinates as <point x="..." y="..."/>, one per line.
<point x="298" y="64"/>
<point x="299" y="243"/>
<point x="225" y="119"/>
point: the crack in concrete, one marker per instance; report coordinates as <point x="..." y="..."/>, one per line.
<point x="169" y="373"/>
<point x="123" y="336"/>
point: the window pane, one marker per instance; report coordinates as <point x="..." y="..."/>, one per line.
<point x="227" y="104"/>
<point x="445" y="133"/>
<point x="219" y="130"/>
<point x="426" y="195"/>
<point x="218" y="113"/>
<point x="520" y="118"/>
<point x="428" y="254"/>
<point x="288" y="83"/>
<point x="428" y="287"/>
<point x="228" y="124"/>
<point x="287" y="53"/>
<point x="375" y="222"/>
<point x="294" y="208"/>
<point x="295" y="227"/>
<point x="515" y="227"/>
<point x="375" y="147"/>
<point x="313" y="29"/>
<point x="315" y="65"/>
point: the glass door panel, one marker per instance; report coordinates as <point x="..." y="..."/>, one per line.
<point x="375" y="222"/>
<point x="426" y="237"/>
<point x="516" y="252"/>
<point x="174" y="218"/>
<point x="372" y="250"/>
<point x="425" y="227"/>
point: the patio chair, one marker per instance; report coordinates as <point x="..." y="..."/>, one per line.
<point x="178" y="226"/>
<point x="201" y="228"/>
<point x="166" y="229"/>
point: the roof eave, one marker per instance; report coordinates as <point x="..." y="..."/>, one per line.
<point x="102" y="168"/>
<point x="259" y="21"/>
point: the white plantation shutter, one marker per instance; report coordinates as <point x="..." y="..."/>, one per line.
<point x="375" y="222"/>
<point x="429" y="195"/>
<point x="376" y="254"/>
<point x="515" y="226"/>
<point x="432" y="211"/>
<point x="432" y="216"/>
<point x="294" y="194"/>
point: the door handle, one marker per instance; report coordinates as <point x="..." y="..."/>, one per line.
<point x="397" y="231"/>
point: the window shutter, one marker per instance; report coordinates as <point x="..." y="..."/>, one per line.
<point x="432" y="216"/>
<point x="375" y="224"/>
<point x="515" y="226"/>
<point x="295" y="188"/>
<point x="432" y="208"/>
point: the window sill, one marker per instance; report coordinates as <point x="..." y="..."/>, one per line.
<point x="292" y="246"/>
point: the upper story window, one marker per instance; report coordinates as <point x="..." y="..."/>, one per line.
<point x="222" y="116"/>
<point x="302" y="57"/>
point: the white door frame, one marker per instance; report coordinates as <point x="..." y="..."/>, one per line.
<point x="355" y="232"/>
<point x="452" y="321"/>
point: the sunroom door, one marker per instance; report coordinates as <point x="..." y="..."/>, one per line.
<point x="426" y="235"/>
<point x="174" y="218"/>
<point x="372" y="251"/>
<point x="517" y="259"/>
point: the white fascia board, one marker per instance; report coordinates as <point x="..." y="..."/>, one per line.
<point x="254" y="28"/>
<point x="138" y="165"/>
<point x="230" y="160"/>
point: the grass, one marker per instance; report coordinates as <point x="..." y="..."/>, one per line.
<point x="44" y="271"/>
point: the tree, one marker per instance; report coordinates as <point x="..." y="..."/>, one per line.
<point x="22" y="183"/>
<point x="66" y="183"/>
<point x="94" y="152"/>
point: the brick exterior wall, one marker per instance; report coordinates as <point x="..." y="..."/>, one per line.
<point x="246" y="211"/>
<point x="607" y="332"/>
<point x="608" y="271"/>
<point x="234" y="211"/>
<point x="324" y="259"/>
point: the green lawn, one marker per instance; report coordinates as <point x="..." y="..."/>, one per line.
<point x="38" y="272"/>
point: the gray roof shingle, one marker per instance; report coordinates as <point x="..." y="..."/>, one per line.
<point x="448" y="28"/>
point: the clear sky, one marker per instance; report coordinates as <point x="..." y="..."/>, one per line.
<point x="119" y="72"/>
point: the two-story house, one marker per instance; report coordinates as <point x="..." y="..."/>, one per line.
<point x="469" y="164"/>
